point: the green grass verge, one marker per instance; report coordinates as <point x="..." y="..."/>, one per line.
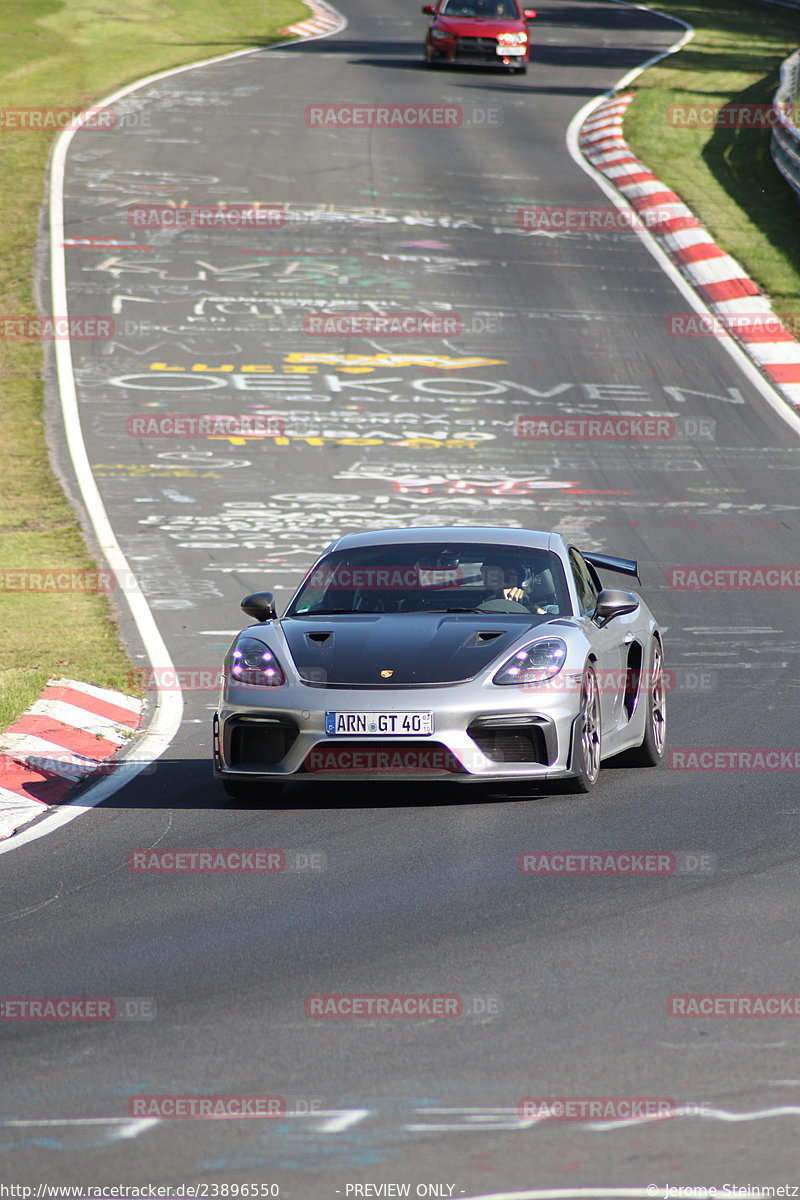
<point x="726" y="176"/>
<point x="70" y="53"/>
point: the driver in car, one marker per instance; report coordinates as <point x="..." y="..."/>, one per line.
<point x="506" y="579"/>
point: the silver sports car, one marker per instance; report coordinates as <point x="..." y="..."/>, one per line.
<point x="467" y="654"/>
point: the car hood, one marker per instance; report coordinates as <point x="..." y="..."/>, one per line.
<point x="417" y="648"/>
<point x="470" y="27"/>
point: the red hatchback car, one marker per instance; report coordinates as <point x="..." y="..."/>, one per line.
<point x="478" y="31"/>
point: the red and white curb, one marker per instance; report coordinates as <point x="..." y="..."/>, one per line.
<point x="322" y="20"/>
<point x="25" y="790"/>
<point x="71" y="731"/>
<point x="720" y="281"/>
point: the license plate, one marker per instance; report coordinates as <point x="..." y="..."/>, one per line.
<point x="507" y="51"/>
<point x="378" y="724"/>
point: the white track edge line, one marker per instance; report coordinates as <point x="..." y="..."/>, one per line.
<point x="776" y="401"/>
<point x="165" y="724"/>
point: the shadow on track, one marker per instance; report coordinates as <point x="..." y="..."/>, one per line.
<point x="188" y="784"/>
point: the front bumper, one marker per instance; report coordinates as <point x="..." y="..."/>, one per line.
<point x="478" y="51"/>
<point x="482" y="733"/>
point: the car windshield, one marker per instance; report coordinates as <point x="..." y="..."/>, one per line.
<point x="480" y="8"/>
<point x="417" y="578"/>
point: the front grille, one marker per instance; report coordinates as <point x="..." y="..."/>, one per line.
<point x="255" y="742"/>
<point x="476" y="47"/>
<point x="484" y="44"/>
<point x="515" y="742"/>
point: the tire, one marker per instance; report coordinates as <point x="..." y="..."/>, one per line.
<point x="523" y="70"/>
<point x="252" y="792"/>
<point x="650" y="752"/>
<point x="587" y="742"/>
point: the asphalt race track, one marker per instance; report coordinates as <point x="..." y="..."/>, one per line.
<point x="565" y="980"/>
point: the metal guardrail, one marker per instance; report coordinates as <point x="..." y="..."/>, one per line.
<point x="785" y="146"/>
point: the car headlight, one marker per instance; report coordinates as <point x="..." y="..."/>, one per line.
<point x="512" y="39"/>
<point x="252" y="662"/>
<point x="535" y="664"/>
<point x="441" y="33"/>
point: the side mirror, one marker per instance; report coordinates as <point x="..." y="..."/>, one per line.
<point x="260" y="606"/>
<point x="528" y="14"/>
<point x="428" y="9"/>
<point x="614" y="603"/>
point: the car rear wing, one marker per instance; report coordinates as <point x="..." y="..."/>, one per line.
<point x="608" y="562"/>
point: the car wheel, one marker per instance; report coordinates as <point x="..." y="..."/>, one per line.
<point x="587" y="738"/>
<point x="523" y="70"/>
<point x="651" y="750"/>
<point x="252" y="792"/>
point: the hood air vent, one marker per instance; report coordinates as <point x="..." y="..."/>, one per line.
<point x="483" y="637"/>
